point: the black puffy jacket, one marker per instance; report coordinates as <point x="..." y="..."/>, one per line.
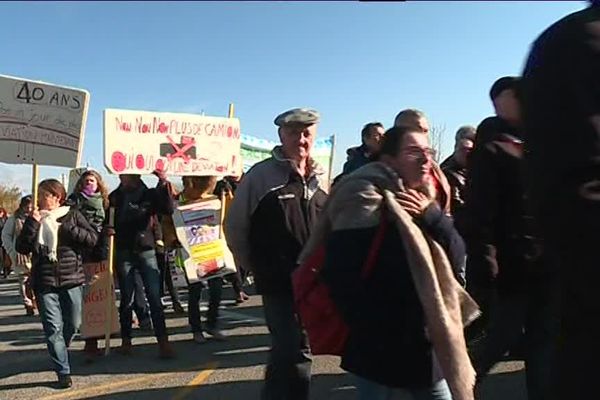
<point x="75" y="235"/>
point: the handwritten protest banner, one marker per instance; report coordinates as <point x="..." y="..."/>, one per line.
<point x="94" y="301"/>
<point x="137" y="142"/>
<point x="204" y="252"/>
<point x="41" y="123"/>
<point x="255" y="150"/>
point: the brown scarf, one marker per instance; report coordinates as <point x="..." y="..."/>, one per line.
<point x="447" y="306"/>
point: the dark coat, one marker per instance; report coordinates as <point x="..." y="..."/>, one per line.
<point x="387" y="342"/>
<point x="561" y="109"/>
<point x="500" y="232"/>
<point x="457" y="179"/>
<point x="134" y="228"/>
<point x="75" y="235"/>
<point x="271" y="218"/>
<point x="280" y="226"/>
<point x="357" y="157"/>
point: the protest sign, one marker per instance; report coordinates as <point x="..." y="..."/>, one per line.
<point x="41" y="123"/>
<point x="94" y="301"/>
<point x="138" y="142"/>
<point x="204" y="252"/>
<point x="255" y="150"/>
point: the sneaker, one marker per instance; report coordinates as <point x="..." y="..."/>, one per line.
<point x="64" y="381"/>
<point x="215" y="333"/>
<point x="199" y="338"/>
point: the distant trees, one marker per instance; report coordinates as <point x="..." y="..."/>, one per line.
<point x="10" y="197"/>
<point x="436" y="133"/>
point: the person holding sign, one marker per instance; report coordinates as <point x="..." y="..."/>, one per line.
<point x="90" y="197"/>
<point x="269" y="221"/>
<point x="135" y="207"/>
<point x="197" y="189"/>
<point x="57" y="236"/>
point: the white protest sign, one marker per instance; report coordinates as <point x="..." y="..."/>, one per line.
<point x="41" y="123"/>
<point x="138" y="142"/>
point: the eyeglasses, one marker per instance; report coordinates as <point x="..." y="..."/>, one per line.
<point x="417" y="153"/>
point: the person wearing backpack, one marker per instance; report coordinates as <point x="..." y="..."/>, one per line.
<point x="402" y="303"/>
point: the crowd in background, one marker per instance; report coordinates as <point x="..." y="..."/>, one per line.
<point x="437" y="271"/>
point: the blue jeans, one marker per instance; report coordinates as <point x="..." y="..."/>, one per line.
<point x="288" y="370"/>
<point x="140" y="305"/>
<point x="145" y="263"/>
<point x="60" y="312"/>
<point x="369" y="390"/>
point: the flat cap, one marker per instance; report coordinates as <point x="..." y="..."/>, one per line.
<point x="299" y="116"/>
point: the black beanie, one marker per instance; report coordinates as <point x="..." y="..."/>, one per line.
<point x="506" y="82"/>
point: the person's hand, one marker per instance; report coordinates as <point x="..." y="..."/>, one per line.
<point x="160" y="174"/>
<point x="109" y="231"/>
<point x="35" y="214"/>
<point x="414" y="202"/>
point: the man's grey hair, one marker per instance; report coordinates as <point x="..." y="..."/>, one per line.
<point x="406" y="118"/>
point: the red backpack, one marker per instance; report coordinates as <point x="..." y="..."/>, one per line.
<point x="327" y="331"/>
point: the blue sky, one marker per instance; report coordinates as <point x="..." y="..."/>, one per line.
<point x="354" y="62"/>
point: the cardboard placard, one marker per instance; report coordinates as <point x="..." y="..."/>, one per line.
<point x="138" y="142"/>
<point x="204" y="251"/>
<point x="94" y="301"/>
<point x="41" y="123"/>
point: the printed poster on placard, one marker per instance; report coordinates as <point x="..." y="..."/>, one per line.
<point x="138" y="142"/>
<point x="204" y="251"/>
<point x="95" y="296"/>
<point x="41" y="123"/>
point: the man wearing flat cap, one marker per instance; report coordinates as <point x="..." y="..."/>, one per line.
<point x="271" y="217"/>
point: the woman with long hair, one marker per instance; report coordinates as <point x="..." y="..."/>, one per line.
<point x="57" y="236"/>
<point x="90" y="197"/>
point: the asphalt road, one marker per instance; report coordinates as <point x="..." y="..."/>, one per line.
<point x="232" y="369"/>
